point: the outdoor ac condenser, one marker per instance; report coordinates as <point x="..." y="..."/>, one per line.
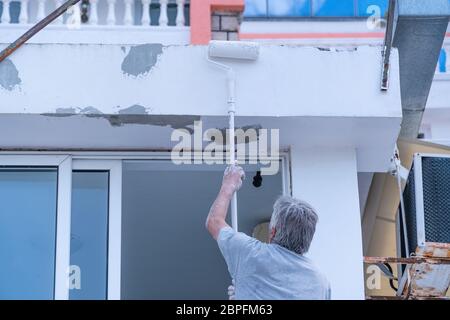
<point x="427" y="216"/>
<point x="427" y="201"/>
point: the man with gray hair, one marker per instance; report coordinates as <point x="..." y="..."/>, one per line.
<point x="277" y="270"/>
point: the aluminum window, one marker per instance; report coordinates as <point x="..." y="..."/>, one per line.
<point x="314" y="8"/>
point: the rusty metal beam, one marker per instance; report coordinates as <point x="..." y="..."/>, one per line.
<point x="35" y="29"/>
<point x="405" y="298"/>
<point x="411" y="260"/>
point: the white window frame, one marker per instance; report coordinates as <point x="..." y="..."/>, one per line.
<point x="114" y="218"/>
<point x="64" y="193"/>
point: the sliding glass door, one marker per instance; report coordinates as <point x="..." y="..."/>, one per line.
<point x="61" y="230"/>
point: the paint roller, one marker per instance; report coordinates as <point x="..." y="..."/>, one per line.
<point x="232" y="50"/>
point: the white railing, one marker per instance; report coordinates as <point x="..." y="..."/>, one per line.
<point x="142" y="13"/>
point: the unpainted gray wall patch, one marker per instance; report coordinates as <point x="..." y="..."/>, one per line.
<point x="141" y="59"/>
<point x="9" y="75"/>
<point x="134" y="109"/>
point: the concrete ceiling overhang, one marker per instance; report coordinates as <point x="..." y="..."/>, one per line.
<point x="153" y="133"/>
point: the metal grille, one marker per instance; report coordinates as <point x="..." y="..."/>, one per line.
<point x="436" y="195"/>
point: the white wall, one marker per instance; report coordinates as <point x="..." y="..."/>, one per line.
<point x="285" y="81"/>
<point x="327" y="179"/>
<point x="105" y="35"/>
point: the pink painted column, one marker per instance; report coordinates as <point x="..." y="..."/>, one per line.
<point x="201" y="11"/>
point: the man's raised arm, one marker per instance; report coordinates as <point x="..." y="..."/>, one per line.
<point x="232" y="181"/>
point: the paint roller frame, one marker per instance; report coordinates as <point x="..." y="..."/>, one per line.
<point x="235" y="50"/>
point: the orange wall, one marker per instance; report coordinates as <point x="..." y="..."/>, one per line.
<point x="201" y="17"/>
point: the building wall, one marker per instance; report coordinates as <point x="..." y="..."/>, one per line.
<point x="326" y="102"/>
<point x="327" y="179"/>
<point x="156" y="79"/>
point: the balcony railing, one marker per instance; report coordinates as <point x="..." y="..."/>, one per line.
<point x="99" y="21"/>
<point x="99" y="12"/>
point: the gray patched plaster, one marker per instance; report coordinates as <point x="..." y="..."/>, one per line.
<point x="134" y="109"/>
<point x="141" y="59"/>
<point x="9" y="75"/>
<point x="68" y="110"/>
<point x="90" y="110"/>
<point x="172" y="121"/>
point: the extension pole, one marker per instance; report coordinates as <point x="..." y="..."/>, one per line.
<point x="35" y="29"/>
<point x="231" y="112"/>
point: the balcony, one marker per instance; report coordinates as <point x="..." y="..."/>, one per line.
<point x="99" y="21"/>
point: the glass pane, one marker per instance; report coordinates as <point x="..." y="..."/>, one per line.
<point x="27" y="232"/>
<point x="333" y="8"/>
<point x="289" y="8"/>
<point x="372" y="7"/>
<point x="88" y="247"/>
<point x="166" y="251"/>
<point x="255" y="8"/>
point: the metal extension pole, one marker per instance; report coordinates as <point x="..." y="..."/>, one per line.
<point x="36" y="28"/>
<point x="231" y="112"/>
<point x="231" y="83"/>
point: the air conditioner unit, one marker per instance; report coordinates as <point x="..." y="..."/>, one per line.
<point x="427" y="218"/>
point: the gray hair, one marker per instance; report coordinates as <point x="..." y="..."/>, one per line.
<point x="295" y="223"/>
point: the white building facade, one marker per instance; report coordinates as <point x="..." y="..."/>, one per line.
<point x="91" y="110"/>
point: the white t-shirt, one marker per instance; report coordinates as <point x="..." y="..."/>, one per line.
<point x="268" y="271"/>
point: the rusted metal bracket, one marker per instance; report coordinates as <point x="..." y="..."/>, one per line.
<point x="35" y="29"/>
<point x="411" y="260"/>
<point x="405" y="298"/>
<point x="426" y="275"/>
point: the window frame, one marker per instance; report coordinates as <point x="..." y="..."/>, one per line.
<point x="114" y="167"/>
<point x="63" y="209"/>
